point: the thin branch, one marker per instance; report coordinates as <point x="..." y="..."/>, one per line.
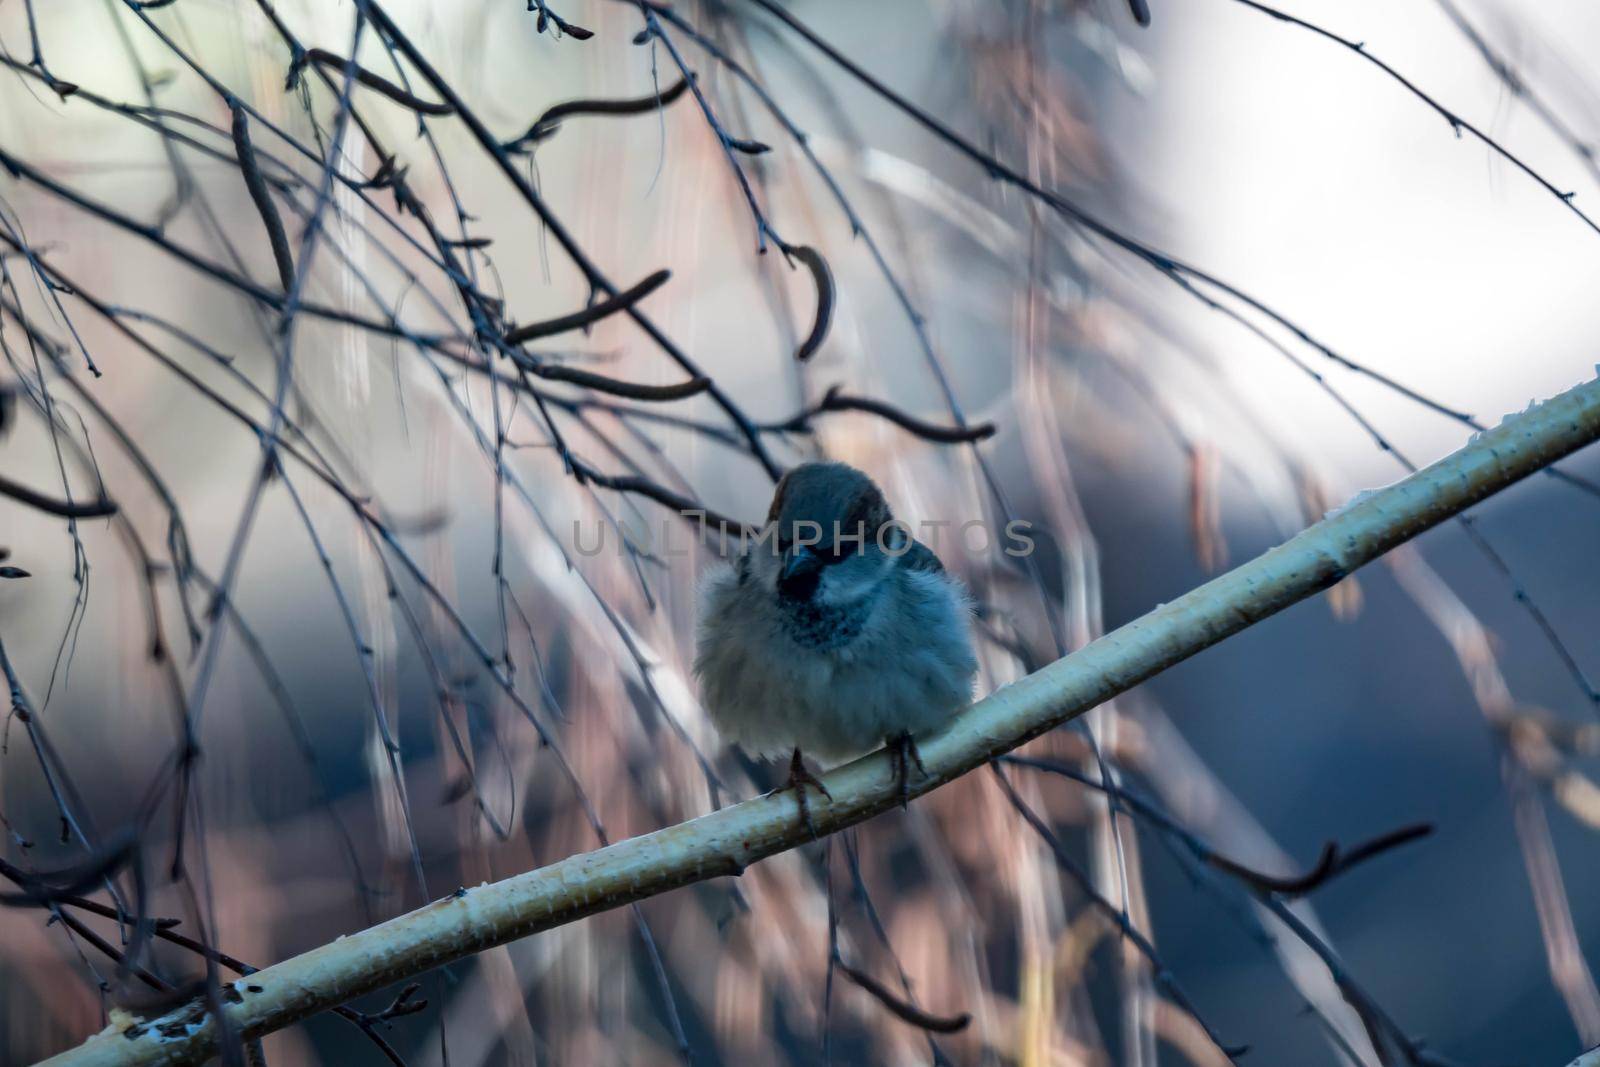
<point x="1518" y="87"/>
<point x="557" y="372"/>
<point x="826" y="298"/>
<point x="836" y="400"/>
<point x="1117" y="914"/>
<point x="922" y="1020"/>
<point x="546" y="125"/>
<point x="372" y="81"/>
<point x="67" y="509"/>
<point x="590" y="315"/>
<point x="557" y="229"/>
<point x="1333" y="861"/>
<point x="1187" y="274"/>
<point x="1457" y="123"/>
<point x="262" y="197"/>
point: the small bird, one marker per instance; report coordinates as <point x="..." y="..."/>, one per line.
<point x="833" y="632"/>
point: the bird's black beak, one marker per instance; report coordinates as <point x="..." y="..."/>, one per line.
<point x="802" y="570"/>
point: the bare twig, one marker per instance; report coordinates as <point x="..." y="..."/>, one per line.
<point x="68" y="509"/>
<point x="371" y="81"/>
<point x="262" y="196"/>
<point x="546" y="125"/>
<point x="579" y="319"/>
<point x="922" y="1020"/>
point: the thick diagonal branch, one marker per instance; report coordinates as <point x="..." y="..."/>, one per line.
<point x="727" y="841"/>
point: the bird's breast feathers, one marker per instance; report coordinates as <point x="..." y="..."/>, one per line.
<point x="833" y="681"/>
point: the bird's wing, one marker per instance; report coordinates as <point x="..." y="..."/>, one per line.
<point x="919" y="557"/>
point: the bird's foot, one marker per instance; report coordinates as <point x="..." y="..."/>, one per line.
<point x="799" y="778"/>
<point x="903" y="753"/>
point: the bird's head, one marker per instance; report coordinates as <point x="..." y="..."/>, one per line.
<point x="828" y="539"/>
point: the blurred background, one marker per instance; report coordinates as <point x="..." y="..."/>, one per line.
<point x="345" y="682"/>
